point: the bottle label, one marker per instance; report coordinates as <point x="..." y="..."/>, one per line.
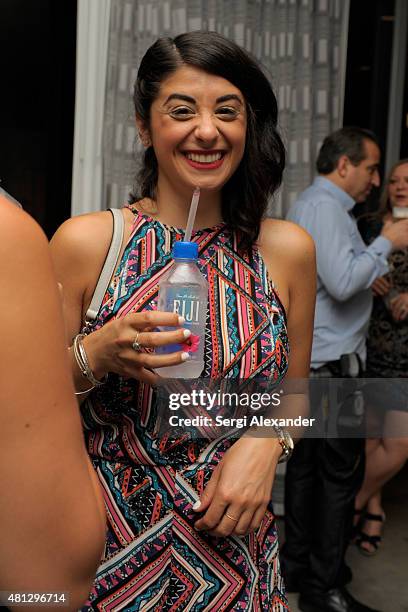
<point x="185" y="302"/>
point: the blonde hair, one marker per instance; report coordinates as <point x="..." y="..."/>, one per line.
<point x="385" y="205"/>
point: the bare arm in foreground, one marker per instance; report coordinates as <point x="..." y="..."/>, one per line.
<point x="51" y="511"/>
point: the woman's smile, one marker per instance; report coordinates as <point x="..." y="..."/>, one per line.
<point x="198" y="130"/>
<point x="204" y="160"/>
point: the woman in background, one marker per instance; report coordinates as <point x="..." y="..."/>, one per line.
<point x="387" y="357"/>
<point x="52" y="537"/>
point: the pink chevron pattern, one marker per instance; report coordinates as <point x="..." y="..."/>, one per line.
<point x="154" y="558"/>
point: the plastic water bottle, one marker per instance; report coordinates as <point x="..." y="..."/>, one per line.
<point x="185" y="290"/>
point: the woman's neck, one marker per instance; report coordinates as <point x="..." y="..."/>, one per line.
<point x="172" y="207"/>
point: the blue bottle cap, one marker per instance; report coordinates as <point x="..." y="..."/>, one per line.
<point x="185" y="250"/>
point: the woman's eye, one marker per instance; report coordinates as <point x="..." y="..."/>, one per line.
<point x="181" y="112"/>
<point x="227" y="113"/>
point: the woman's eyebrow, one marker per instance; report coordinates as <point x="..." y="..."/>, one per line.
<point x="229" y="97"/>
<point x="179" y="96"/>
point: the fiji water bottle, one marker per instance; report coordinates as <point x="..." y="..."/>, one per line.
<point x="185" y="290"/>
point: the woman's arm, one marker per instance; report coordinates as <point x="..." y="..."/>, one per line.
<point x="290" y="256"/>
<point x="78" y="250"/>
<point x="51" y="511"/>
<point x="241" y="484"/>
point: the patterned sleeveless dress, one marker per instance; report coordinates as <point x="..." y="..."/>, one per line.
<point x="154" y="559"/>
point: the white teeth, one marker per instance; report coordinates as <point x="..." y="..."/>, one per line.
<point x="204" y="159"/>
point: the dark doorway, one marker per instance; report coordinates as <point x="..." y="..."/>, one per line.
<point x="404" y="126"/>
<point x="368" y="73"/>
<point x="37" y="50"/>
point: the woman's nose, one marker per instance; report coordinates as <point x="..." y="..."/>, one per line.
<point x="206" y="129"/>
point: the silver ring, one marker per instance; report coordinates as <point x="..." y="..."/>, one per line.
<point x="136" y="346"/>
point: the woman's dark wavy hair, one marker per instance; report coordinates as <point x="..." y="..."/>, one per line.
<point x="245" y="196"/>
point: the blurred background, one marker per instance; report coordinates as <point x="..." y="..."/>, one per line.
<point x="66" y="121"/>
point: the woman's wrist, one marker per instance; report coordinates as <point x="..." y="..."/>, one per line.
<point x="269" y="443"/>
<point x="85" y="377"/>
<point x="81" y="384"/>
<point x="93" y="353"/>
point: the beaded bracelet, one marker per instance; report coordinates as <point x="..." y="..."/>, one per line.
<point x="83" y="364"/>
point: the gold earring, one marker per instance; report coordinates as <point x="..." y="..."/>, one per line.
<point x="146" y="142"/>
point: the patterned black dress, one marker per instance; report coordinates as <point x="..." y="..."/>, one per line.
<point x="387" y="342"/>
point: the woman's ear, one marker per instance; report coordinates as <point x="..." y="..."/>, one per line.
<point x="143" y="133"/>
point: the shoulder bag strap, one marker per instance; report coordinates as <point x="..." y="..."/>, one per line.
<point x="108" y="268"/>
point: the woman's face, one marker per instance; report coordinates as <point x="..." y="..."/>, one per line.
<point x="398" y="186"/>
<point x="197" y="128"/>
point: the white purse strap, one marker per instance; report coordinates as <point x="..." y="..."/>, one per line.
<point x="108" y="268"/>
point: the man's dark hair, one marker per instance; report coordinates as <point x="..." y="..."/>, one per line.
<point x="346" y="141"/>
<point x="245" y="196"/>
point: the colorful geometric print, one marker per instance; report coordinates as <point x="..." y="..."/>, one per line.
<point x="154" y="558"/>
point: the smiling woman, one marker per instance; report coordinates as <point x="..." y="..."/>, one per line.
<point x="198" y="137"/>
<point x="240" y="94"/>
<point x="387" y="357"/>
<point x="191" y="524"/>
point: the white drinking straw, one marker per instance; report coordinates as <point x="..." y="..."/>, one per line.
<point x="192" y="214"/>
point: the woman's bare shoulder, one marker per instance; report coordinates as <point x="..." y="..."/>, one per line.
<point x="14" y="222"/>
<point x="287" y="238"/>
<point x="84" y="236"/>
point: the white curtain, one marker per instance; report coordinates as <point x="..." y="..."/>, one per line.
<point x="300" y="43"/>
<point x="92" y="47"/>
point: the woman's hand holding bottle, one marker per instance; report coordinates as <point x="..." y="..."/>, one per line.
<point x="123" y="345"/>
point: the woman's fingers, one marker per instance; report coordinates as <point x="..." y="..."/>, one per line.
<point x="235" y="521"/>
<point x="153" y="318"/>
<point x="399" y="307"/>
<point x="147" y="377"/>
<point x="133" y="361"/>
<point x="243" y="526"/>
<point x="239" y="521"/>
<point x="381" y="286"/>
<point x="223" y="518"/>
<point x="151" y="360"/>
<point x="207" y="496"/>
<point x="151" y="339"/>
<point x="257" y="518"/>
<point x="213" y="515"/>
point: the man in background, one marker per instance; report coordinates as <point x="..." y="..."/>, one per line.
<point x="324" y="475"/>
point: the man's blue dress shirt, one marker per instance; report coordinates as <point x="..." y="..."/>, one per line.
<point x="346" y="268"/>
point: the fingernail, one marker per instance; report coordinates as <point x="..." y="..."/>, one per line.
<point x="186" y="333"/>
<point x="197" y="505"/>
<point x="181" y="320"/>
<point x="185" y="356"/>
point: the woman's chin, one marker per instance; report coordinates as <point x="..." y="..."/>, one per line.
<point x="207" y="186"/>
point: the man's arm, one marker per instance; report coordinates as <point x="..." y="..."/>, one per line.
<point x="343" y="272"/>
